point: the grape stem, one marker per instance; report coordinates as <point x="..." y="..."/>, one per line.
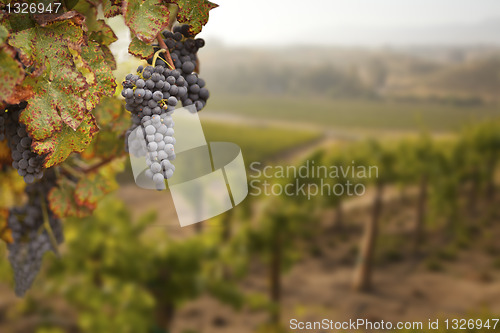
<point x="162" y="44"/>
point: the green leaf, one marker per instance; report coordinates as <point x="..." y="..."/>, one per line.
<point x="109" y="57"/>
<point x="98" y="30"/>
<point x="104" y="83"/>
<point x="102" y="33"/>
<point x="4" y="33"/>
<point x="60" y="145"/>
<point x="145" y="18"/>
<point x="70" y="4"/>
<point x="140" y="49"/>
<point x="113" y="121"/>
<point x="194" y="13"/>
<point x="63" y="203"/>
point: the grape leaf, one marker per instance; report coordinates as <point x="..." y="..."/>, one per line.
<point x="63" y="203"/>
<point x="52" y="105"/>
<point x="194" y="12"/>
<point x="45" y="19"/>
<point x="98" y="30"/>
<point x="4" y="33"/>
<point x="104" y="83"/>
<point x="70" y="4"/>
<point x="92" y="188"/>
<point x="39" y="42"/>
<point x="111" y="8"/>
<point x="60" y="145"/>
<point x="11" y="72"/>
<point x="109" y="111"/>
<point x="146" y="18"/>
<point x="61" y="89"/>
<point x="140" y="49"/>
<point x="109" y="57"/>
<point x="102" y="33"/>
<point x="113" y="122"/>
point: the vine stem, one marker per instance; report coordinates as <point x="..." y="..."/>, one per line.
<point x="79" y="171"/>
<point x="164" y="46"/>
<point x="46" y="224"/>
<point x="98" y="165"/>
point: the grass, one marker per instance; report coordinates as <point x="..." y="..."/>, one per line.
<point x="258" y="143"/>
<point x="362" y="114"/>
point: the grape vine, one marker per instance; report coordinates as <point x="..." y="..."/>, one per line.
<point x="61" y="124"/>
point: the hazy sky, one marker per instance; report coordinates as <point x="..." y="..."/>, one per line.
<point x="239" y="22"/>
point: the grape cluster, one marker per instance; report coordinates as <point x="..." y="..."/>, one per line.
<point x="30" y="233"/>
<point x="28" y="164"/>
<point x="158" y="131"/>
<point x="183" y="51"/>
<point x="151" y="96"/>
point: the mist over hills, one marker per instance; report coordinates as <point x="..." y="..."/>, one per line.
<point x="458" y="74"/>
<point x="485" y="32"/>
<point x="479" y="33"/>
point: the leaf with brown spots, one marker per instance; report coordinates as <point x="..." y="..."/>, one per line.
<point x="60" y="145"/>
<point x="60" y="89"/>
<point x="45" y="19"/>
<point x="140" y="49"/>
<point x="92" y="188"/>
<point x="11" y="72"/>
<point x="62" y="201"/>
<point x="104" y="83"/>
<point x="111" y="8"/>
<point x="194" y="12"/>
<point x="109" y="57"/>
<point x="146" y="18"/>
<point x="57" y="101"/>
